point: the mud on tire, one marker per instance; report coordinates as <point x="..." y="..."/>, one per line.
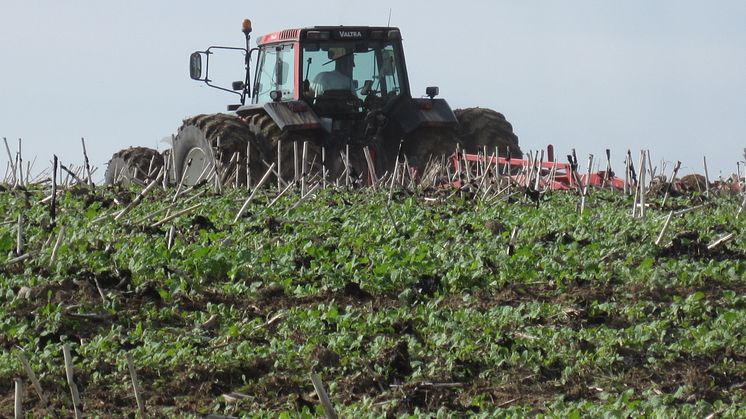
<point x="195" y="149"/>
<point x="480" y="127"/>
<point x="140" y="163"/>
<point x="426" y="144"/>
<point x="267" y="135"/>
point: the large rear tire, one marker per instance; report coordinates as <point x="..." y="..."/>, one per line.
<point x="267" y="135"/>
<point x="204" y="140"/>
<point x="480" y="127"/>
<point x="134" y="163"/>
<point x="428" y="144"/>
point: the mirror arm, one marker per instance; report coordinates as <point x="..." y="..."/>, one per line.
<point x="207" y="80"/>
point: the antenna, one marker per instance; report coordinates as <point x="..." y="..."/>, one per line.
<point x="389" y="22"/>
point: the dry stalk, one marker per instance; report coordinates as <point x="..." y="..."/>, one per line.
<point x="177" y="214"/>
<point x="183" y="178"/>
<point x="287" y="188"/>
<point x="87" y="164"/>
<point x="279" y="169"/>
<point x="741" y="208"/>
<point x="170" y="206"/>
<point x="513" y="238"/>
<point x="53" y="205"/>
<point x="296" y="162"/>
<point x="77" y="404"/>
<point x="668" y="186"/>
<point x="721" y="241"/>
<point x="686" y="210"/>
<point x="707" y="177"/>
<point x="303" y="168"/>
<point x="371" y="168"/>
<point x="10" y="161"/>
<point x="587" y="183"/>
<point x="304" y="198"/>
<point x="393" y="177"/>
<point x="18" y="407"/>
<point x="23" y="257"/>
<point x="323" y="166"/>
<point x="29" y="165"/>
<point x="135" y="384"/>
<point x="170" y="238"/>
<point x="663" y="230"/>
<point x="248" y="165"/>
<point x="135" y="202"/>
<point x="35" y="382"/>
<point x="70" y="173"/>
<point x="19" y="165"/>
<point x="329" y="411"/>
<point x="216" y="167"/>
<point x="347" y="165"/>
<point x="57" y="244"/>
<point x="253" y="193"/>
<point x="19" y="235"/>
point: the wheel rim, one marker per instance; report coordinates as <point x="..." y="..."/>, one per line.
<point x="198" y="169"/>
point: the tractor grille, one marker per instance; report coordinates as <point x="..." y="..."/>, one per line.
<point x="290" y="34"/>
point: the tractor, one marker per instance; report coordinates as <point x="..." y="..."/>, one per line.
<point x="339" y="93"/>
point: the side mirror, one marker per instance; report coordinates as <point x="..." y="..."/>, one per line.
<point x="432" y="91"/>
<point x="195" y="66"/>
<point x="237" y="85"/>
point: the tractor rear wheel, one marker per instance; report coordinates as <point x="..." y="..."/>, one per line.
<point x="134" y="163"/>
<point x="204" y="140"/>
<point x="428" y="144"/>
<point x="268" y="135"/>
<point x="480" y="127"/>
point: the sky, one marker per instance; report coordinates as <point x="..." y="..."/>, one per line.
<point x="667" y="75"/>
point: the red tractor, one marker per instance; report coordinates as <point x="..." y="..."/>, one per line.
<point x="333" y="91"/>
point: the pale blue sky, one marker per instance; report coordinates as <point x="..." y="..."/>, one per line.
<point x="665" y="75"/>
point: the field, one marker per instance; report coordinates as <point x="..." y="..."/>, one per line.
<point x="419" y="305"/>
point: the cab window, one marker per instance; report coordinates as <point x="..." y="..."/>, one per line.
<point x="275" y="71"/>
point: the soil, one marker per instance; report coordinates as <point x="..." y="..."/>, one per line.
<point x="387" y="378"/>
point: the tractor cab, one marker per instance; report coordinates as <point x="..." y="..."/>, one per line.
<point x="338" y="71"/>
<point x="339" y="86"/>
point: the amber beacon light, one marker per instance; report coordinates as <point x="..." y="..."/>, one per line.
<point x="246" y="26"/>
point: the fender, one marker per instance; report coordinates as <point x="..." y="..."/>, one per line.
<point x="289" y="116"/>
<point x="423" y="112"/>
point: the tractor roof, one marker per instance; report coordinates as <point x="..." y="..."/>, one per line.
<point x="325" y="33"/>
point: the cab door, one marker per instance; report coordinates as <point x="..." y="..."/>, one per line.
<point x="276" y="72"/>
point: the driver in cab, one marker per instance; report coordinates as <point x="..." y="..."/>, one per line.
<point x="338" y="79"/>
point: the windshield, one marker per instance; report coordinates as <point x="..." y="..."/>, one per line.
<point x="363" y="68"/>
